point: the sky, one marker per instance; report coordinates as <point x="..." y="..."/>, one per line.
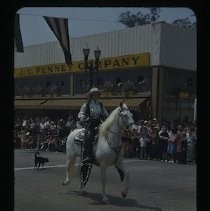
<point x="82" y="20"/>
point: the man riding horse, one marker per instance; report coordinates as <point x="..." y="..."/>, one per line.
<point x="107" y="152"/>
<point x="92" y="113"/>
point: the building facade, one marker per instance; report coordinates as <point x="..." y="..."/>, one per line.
<point x="156" y="63"/>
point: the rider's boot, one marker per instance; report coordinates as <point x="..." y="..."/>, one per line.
<point x="87" y="155"/>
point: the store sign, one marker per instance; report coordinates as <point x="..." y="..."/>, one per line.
<point x="121" y="62"/>
<point x="41" y="70"/>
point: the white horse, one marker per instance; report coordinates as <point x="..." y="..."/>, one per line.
<point x="107" y="151"/>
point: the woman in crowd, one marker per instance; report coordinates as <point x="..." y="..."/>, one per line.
<point x="163" y="140"/>
<point x="171" y="150"/>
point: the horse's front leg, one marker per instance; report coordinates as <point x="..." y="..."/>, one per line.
<point x="69" y="172"/>
<point x="103" y="182"/>
<point x="124" y="175"/>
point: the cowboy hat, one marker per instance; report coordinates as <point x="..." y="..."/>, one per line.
<point x="93" y="91"/>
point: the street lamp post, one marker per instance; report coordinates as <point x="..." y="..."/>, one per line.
<point x="89" y="66"/>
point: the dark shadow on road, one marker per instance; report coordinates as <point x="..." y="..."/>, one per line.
<point x="115" y="201"/>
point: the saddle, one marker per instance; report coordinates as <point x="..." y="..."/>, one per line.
<point x="79" y="137"/>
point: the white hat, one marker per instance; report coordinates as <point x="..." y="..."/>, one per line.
<point x="92" y="91"/>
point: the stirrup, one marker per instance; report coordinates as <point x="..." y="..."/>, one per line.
<point x="87" y="161"/>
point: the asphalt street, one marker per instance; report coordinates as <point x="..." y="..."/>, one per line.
<point x="154" y="186"/>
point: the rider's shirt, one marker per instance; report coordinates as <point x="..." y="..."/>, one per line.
<point x="95" y="110"/>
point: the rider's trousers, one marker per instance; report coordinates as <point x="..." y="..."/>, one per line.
<point x="89" y="138"/>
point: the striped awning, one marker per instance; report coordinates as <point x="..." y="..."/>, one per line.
<point x="75" y="104"/>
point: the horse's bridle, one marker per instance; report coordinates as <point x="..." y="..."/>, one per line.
<point x="125" y="121"/>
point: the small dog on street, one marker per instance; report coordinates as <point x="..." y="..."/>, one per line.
<point x="39" y="161"/>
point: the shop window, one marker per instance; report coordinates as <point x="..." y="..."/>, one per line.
<point x="189" y="81"/>
<point x="100" y="82"/>
<point x="140" y="79"/>
<point x="118" y="81"/>
<point x="48" y="84"/>
<point x="83" y="85"/>
<point x="20" y="86"/>
<point x="63" y="83"/>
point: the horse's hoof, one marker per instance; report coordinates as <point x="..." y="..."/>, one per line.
<point x="105" y="200"/>
<point x="81" y="187"/>
<point x="82" y="192"/>
<point x="65" y="183"/>
<point x="124" y="194"/>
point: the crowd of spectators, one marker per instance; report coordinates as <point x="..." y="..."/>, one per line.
<point x="42" y="133"/>
<point x="174" y="143"/>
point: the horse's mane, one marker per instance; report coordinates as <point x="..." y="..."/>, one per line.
<point x="106" y="124"/>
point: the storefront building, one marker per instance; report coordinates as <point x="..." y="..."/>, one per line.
<point x="156" y="63"/>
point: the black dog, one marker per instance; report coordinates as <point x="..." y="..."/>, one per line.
<point x="39" y="161"/>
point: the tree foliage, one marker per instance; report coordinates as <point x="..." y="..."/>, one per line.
<point x="185" y="23"/>
<point x="130" y="20"/>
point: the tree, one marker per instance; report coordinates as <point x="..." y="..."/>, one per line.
<point x="185" y="23"/>
<point x="130" y="20"/>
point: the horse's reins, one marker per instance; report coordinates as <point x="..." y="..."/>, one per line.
<point x="116" y="149"/>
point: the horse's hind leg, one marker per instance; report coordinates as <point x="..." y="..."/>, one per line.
<point x="69" y="172"/>
<point x="124" y="176"/>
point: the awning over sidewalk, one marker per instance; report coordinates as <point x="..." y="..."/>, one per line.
<point x="28" y="103"/>
<point x="132" y="103"/>
<point x="75" y="104"/>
